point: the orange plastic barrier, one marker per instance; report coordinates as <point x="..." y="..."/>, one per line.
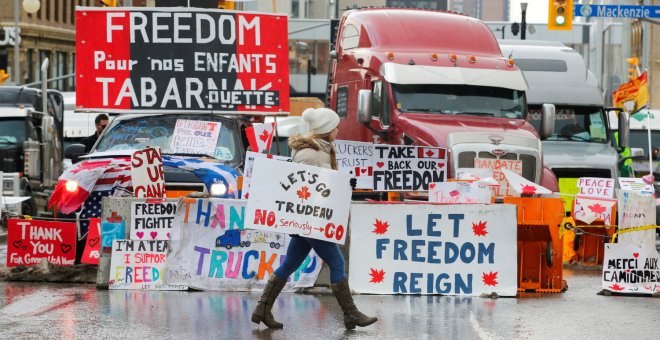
<point x="540" y="248"/>
<point x="589" y="243"/>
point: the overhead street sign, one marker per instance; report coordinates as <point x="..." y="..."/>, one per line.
<point x="617" y="11"/>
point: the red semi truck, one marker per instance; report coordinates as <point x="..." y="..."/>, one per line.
<point x="432" y="78"/>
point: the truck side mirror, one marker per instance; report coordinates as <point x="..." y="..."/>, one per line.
<point x="364" y="106"/>
<point x="547" y="120"/>
<point x="47" y="128"/>
<point x="624" y="130"/>
<point x="74" y="151"/>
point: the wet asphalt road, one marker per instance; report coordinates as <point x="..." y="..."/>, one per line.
<point x="53" y="311"/>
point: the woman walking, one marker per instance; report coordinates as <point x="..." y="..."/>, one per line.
<point x="315" y="149"/>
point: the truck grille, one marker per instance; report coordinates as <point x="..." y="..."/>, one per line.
<point x="577" y="173"/>
<point x="466" y="160"/>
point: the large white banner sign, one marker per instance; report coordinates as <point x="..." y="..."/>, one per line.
<point x="294" y="198"/>
<point x="211" y="250"/>
<point x="433" y="249"/>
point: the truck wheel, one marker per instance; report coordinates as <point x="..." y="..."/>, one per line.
<point x="228" y="246"/>
<point x="548" y="254"/>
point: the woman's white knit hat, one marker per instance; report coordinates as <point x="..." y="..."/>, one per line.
<point x="321" y="120"/>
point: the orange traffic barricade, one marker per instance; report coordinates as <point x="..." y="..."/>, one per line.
<point x="589" y="241"/>
<point x="540" y="248"/>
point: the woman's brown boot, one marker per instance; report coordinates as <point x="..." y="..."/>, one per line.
<point x="263" y="311"/>
<point x="352" y="316"/>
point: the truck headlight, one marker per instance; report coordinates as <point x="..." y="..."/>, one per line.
<point x="218" y="189"/>
<point x="71" y="186"/>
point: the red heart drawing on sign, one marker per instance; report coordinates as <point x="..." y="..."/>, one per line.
<point x="264" y="136"/>
<point x="440" y="164"/>
<point x="139" y="234"/>
<point x="65" y="248"/>
<point x="363" y="170"/>
<point x="153" y="235"/>
<point x="93" y="241"/>
<point x="454" y="193"/>
<point x="168" y="235"/>
<point x="635" y="255"/>
<point x="431" y="185"/>
<point x="627" y="270"/>
<point x="17" y="244"/>
<point x="380" y="164"/>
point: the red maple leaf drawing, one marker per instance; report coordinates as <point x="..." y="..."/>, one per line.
<point x="264" y="136"/>
<point x="490" y="279"/>
<point x="430" y="153"/>
<point x="597" y="208"/>
<point x="377" y="276"/>
<point x="479" y="229"/>
<point x="528" y="189"/>
<point x="616" y="287"/>
<point x="303" y="193"/>
<point x="380" y="227"/>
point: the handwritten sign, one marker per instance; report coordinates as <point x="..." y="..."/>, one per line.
<point x="459" y="192"/>
<point x="636" y="210"/>
<point x="497" y="165"/>
<point x="588" y="210"/>
<point x="138" y="264"/>
<point x="30" y="241"/>
<point x="211" y="250"/>
<point x="195" y="136"/>
<point x="147" y="173"/>
<point x="250" y="156"/>
<point x="430" y="249"/>
<point x="628" y="268"/>
<point x="356" y="159"/>
<point x="408" y="168"/>
<point x="152" y="221"/>
<point x="299" y="199"/>
<point x="596" y="187"/>
<point x="92" y="251"/>
<point x="637" y="185"/>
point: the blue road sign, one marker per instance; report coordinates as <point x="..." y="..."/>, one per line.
<point x="617" y="11"/>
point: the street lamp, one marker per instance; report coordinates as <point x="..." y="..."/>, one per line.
<point x="523" y="25"/>
<point x="30" y="6"/>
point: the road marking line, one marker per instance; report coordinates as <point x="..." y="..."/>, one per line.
<point x="482" y="333"/>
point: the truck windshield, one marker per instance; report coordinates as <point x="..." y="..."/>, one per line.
<point x="459" y="100"/>
<point x="157" y="130"/>
<point x="577" y="124"/>
<point x="12" y="131"/>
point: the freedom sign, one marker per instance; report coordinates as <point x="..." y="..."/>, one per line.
<point x="295" y="198"/>
<point x="181" y="60"/>
<point x="408" y="168"/>
<point x="138" y="264"/>
<point x="152" y="220"/>
<point x="30" y="241"/>
<point x="211" y="250"/>
<point x="433" y="249"/>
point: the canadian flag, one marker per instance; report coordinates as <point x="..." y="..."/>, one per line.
<point x="424" y="152"/>
<point x="260" y="136"/>
<point x="520" y="185"/>
<point x="364" y="171"/>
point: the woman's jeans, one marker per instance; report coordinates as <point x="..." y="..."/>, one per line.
<point x="298" y="249"/>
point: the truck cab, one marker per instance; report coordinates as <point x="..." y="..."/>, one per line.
<point x="431" y="78"/>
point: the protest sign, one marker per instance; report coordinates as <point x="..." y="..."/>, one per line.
<point x="195" y="136"/>
<point x="408" y="168"/>
<point x="431" y="249"/>
<point x="637" y="185"/>
<point x="522" y="186"/>
<point x="138" y="264"/>
<point x="181" y="60"/>
<point x="152" y="220"/>
<point x="249" y="164"/>
<point x="497" y="165"/>
<point x="30" y="241"/>
<point x="299" y="199"/>
<point x="459" y="192"/>
<point x="588" y="210"/>
<point x="356" y="159"/>
<point x="211" y="250"/>
<point x="629" y="268"/>
<point x="147" y="173"/>
<point x="636" y="210"/>
<point x="93" y="244"/>
<point x="596" y="187"/>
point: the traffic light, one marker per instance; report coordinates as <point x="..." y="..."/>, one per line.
<point x="109" y="3"/>
<point x="3" y="77"/>
<point x="633" y="71"/>
<point x="560" y="15"/>
<point x="226" y="5"/>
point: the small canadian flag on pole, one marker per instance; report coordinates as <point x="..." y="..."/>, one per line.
<point x="260" y="136"/>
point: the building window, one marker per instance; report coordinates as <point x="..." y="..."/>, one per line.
<point x="295" y="8"/>
<point x="29" y="75"/>
<point x="60" y="69"/>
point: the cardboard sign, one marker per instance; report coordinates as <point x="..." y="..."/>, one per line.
<point x="249" y="164"/>
<point x="92" y="251"/>
<point x="152" y="221"/>
<point x="497" y="165"/>
<point x="637" y="185"/>
<point x="631" y="269"/>
<point x="589" y="210"/>
<point x="147" y="173"/>
<point x="138" y="264"/>
<point x="195" y="136"/>
<point x="299" y="199"/>
<point x="408" y="168"/>
<point x="30" y="241"/>
<point x="181" y="60"/>
<point x="211" y="250"/>
<point x="356" y="159"/>
<point x="459" y="192"/>
<point x="636" y="210"/>
<point x="596" y="187"/>
<point x="430" y="249"/>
